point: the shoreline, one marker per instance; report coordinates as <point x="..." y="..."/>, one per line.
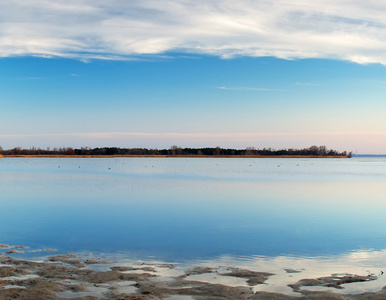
<point x="61" y="276"/>
<point x="169" y="156"/>
<point x="37" y="274"/>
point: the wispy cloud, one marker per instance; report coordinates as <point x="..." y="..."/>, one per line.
<point x="98" y="29"/>
<point x="245" y="89"/>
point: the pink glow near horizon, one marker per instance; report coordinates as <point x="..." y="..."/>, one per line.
<point x="361" y="142"/>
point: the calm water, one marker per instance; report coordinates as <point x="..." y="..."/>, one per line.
<point x="184" y="209"/>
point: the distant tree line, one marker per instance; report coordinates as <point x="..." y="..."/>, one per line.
<point x="178" y="151"/>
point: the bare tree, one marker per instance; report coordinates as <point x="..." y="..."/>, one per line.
<point x="175" y="150"/>
<point x="217" y="151"/>
<point x="250" y="151"/>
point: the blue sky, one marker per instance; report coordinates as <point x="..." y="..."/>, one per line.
<point x="284" y="74"/>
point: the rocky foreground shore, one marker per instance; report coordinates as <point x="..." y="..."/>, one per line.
<point x="76" y="277"/>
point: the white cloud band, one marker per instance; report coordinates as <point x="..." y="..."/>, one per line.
<point x="118" y="29"/>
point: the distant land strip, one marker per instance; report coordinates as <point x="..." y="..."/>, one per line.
<point x="174" y="151"/>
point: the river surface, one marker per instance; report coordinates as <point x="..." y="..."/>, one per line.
<point x="321" y="215"/>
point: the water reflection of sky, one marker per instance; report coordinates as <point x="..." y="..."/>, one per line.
<point x="181" y="209"/>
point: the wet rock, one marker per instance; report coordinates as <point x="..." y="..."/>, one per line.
<point x="166" y="266"/>
<point x="76" y="288"/>
<point x="71" y="259"/>
<point x="121" y="268"/>
<point x="63" y="257"/>
<point x="14" y="251"/>
<point x="198" y="271"/>
<point x="125" y="269"/>
<point x="253" y="277"/>
<point x="20" y="247"/>
<point x="292" y="271"/>
<point x="334" y="281"/>
<point x="57" y="271"/>
<point x="313" y="295"/>
<point x="108" y="276"/>
<point x="11" y="271"/>
<point x="216" y="291"/>
<point x="22" y="294"/>
<point x="38" y="289"/>
<point x="257" y="280"/>
<point x="96" y="261"/>
<point x="379" y="295"/>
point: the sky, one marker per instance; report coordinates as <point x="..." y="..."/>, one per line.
<point x="234" y="74"/>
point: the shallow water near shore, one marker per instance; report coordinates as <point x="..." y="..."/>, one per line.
<point x="315" y="216"/>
